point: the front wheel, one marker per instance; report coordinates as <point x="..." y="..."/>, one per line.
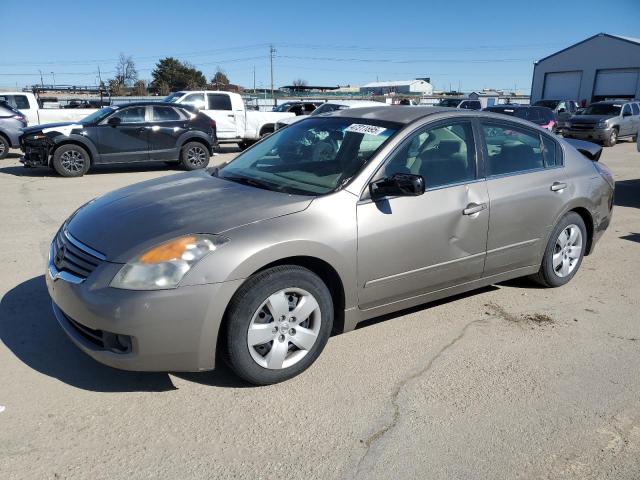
<point x="71" y="161"/>
<point x="612" y="139"/>
<point x="4" y="147"/>
<point x="194" y="155"/>
<point x="278" y="323"/>
<point x="564" y="252"/>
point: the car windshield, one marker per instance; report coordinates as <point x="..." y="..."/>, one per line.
<point x="552" y="104"/>
<point x="99" y="115"/>
<point x="328" y="107"/>
<point x="311" y="157"/>
<point x="603" y="109"/>
<point x="450" y="102"/>
<point x="283" y="108"/>
<point x="174" y="97"/>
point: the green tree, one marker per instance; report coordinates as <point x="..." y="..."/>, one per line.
<point x="220" y="81"/>
<point x="177" y="75"/>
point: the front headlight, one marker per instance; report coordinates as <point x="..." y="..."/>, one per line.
<point x="602" y="124"/>
<point x="164" y="266"/>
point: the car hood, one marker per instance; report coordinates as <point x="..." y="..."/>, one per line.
<point x="61" y="127"/>
<point x="126" y="222"/>
<point x="590" y="118"/>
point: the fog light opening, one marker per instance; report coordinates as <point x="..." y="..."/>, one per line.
<point x="117" y="343"/>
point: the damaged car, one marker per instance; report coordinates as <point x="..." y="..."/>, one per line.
<point x="133" y="133"/>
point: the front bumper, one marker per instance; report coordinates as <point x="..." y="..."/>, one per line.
<point x="36" y="154"/>
<point x="590" y="134"/>
<point x="168" y="330"/>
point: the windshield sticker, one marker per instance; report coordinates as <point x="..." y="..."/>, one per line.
<point x="368" y="129"/>
<point x="64" y="130"/>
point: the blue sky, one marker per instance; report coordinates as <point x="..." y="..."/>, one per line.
<point x="464" y="43"/>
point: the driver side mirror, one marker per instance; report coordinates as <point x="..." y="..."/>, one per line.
<point x="114" y="121"/>
<point x="398" y="185"/>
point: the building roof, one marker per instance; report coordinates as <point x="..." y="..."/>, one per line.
<point x="633" y="40"/>
<point x="394" y="83"/>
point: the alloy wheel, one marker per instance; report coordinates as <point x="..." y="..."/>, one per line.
<point x="196" y="156"/>
<point x="567" y="251"/>
<point x="72" y="161"/>
<point x="284" y="328"/>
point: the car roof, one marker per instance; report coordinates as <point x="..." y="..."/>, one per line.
<point x="356" y="103"/>
<point x="162" y="104"/>
<point x="614" y="101"/>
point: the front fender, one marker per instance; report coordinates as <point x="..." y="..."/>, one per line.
<point x="77" y="140"/>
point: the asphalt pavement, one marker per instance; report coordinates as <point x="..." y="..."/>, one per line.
<point x="508" y="382"/>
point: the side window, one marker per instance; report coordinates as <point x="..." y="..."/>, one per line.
<point x="217" y="101"/>
<point x="626" y="110"/>
<point x="131" y="115"/>
<point x="561" y="106"/>
<point x="443" y="155"/>
<point x="635" y="109"/>
<point x="164" y="114"/>
<point x="552" y="153"/>
<point x="476" y="105"/>
<point x="309" y="107"/>
<point x="195" y="100"/>
<point x="511" y="149"/>
<point x="21" y="102"/>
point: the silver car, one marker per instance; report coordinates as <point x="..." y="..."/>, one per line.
<point x="326" y="223"/>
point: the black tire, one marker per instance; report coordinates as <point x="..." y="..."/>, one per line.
<point x="612" y="139"/>
<point x="246" y="303"/>
<point x="71" y="161"/>
<point x="547" y="275"/>
<point x="4" y="147"/>
<point x="194" y="155"/>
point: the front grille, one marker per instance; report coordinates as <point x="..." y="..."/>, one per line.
<point x="583" y="126"/>
<point x="70" y="255"/>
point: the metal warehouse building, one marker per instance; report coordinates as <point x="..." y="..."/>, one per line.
<point x="600" y="67"/>
<point x="419" y="85"/>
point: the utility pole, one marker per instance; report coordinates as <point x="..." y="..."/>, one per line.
<point x="254" y="79"/>
<point x="99" y="76"/>
<point x="41" y="81"/>
<point x="272" y="52"/>
<point x="54" y="79"/>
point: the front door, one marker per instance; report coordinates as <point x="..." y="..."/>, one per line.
<point x="528" y="189"/>
<point x="626" y="121"/>
<point x="408" y="246"/>
<point x="126" y="142"/>
<point x="220" y="109"/>
<point x="165" y="127"/>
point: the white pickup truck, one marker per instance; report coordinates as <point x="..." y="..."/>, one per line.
<point x="28" y="105"/>
<point x="234" y="122"/>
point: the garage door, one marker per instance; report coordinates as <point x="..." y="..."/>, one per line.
<point x="562" y="85"/>
<point x="617" y="83"/>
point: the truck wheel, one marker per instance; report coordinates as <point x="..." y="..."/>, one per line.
<point x="4" y="147"/>
<point x="194" y="155"/>
<point x="71" y="161"/>
<point x="612" y="139"/>
<point x="277" y="324"/>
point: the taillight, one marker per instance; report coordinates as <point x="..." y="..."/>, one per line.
<point x="549" y="126"/>
<point x="212" y="123"/>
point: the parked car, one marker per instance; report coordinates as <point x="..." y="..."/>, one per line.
<point x="606" y="122"/>
<point x="332" y="106"/>
<point x="563" y="109"/>
<point x="541" y="116"/>
<point x="136" y="132"/>
<point x="11" y="124"/>
<point x="259" y="261"/>
<point x="28" y="105"/>
<point x="235" y="123"/>
<point x="466" y="103"/>
<point x="299" y="108"/>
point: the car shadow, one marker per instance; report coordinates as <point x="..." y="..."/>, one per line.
<point x="627" y="193"/>
<point x="425" y="306"/>
<point x="632" y="237"/>
<point x="22" y="171"/>
<point x="30" y="331"/>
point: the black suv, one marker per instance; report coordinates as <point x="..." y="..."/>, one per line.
<point x="135" y="132"/>
<point x="541" y="116"/>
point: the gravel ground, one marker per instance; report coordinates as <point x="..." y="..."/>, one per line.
<point x="510" y="381"/>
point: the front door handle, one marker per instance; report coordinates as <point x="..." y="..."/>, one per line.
<point x="558" y="186"/>
<point x="474" y="208"/>
<point x="231" y="115"/>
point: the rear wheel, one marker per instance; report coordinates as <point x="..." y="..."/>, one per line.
<point x="612" y="139"/>
<point x="4" y="147"/>
<point x="564" y="253"/>
<point x="194" y="155"/>
<point x="71" y="161"/>
<point x="277" y="324"/>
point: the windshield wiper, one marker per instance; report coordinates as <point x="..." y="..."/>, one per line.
<point x="252" y="182"/>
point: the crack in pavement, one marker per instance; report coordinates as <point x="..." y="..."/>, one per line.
<point x="395" y="418"/>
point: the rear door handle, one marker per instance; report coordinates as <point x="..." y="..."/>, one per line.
<point x="474" y="208"/>
<point x="558" y="186"/>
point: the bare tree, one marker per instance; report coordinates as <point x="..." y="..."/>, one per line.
<point x="140" y="88"/>
<point x="126" y="73"/>
<point x="299" y="82"/>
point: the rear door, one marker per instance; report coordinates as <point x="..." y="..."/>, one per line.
<point x="126" y="142"/>
<point x="220" y="109"/>
<point x="409" y="246"/>
<point x="164" y="128"/>
<point x="527" y="189"/>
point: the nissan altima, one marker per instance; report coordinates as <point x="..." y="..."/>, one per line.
<point x="325" y="223"/>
